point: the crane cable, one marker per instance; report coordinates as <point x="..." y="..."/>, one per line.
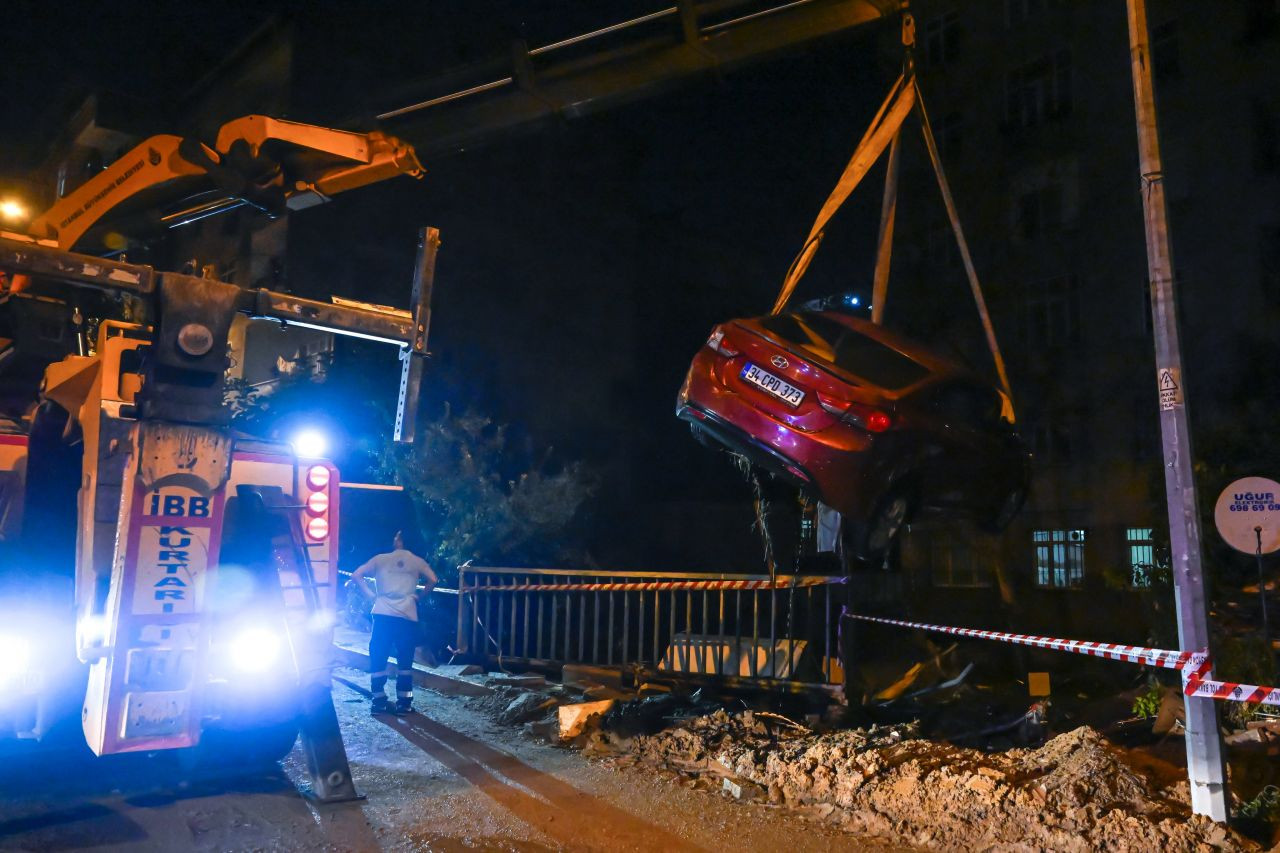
<point x="904" y="96"/>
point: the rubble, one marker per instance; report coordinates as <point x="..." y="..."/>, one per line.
<point x="457" y="670"/>
<point x="525" y="707"/>
<point x="1076" y="792"/>
<point x="530" y="681"/>
<point x="575" y="718"/>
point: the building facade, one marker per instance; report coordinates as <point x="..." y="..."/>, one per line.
<point x="1032" y="104"/>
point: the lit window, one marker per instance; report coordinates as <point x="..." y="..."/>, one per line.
<point x="1059" y="558"/>
<point x="1142" y="558"/>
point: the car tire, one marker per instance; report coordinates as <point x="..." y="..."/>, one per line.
<point x="871" y="539"/>
<point x="1005" y="511"/>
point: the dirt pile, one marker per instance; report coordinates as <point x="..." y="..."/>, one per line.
<point x="1076" y="792"/>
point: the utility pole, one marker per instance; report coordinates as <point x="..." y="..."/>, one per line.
<point x="1205" y="767"/>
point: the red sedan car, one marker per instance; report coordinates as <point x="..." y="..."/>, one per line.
<point x="867" y="421"/>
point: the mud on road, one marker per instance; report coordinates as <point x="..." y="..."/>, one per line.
<point x="444" y="778"/>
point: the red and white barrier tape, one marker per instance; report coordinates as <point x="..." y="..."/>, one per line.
<point x="650" y="586"/>
<point x="1194" y="666"/>
<point x="1133" y="654"/>
<point x="1194" y="683"/>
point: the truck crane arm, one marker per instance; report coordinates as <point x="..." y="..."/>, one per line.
<point x="270" y="164"/>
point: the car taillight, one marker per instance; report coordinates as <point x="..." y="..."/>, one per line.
<point x="878" y="421"/>
<point x="716" y="342"/>
<point x="863" y="417"/>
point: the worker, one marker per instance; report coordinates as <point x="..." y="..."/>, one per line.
<point x="395" y="619"/>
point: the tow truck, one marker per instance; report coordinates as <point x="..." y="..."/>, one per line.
<point x="196" y="612"/>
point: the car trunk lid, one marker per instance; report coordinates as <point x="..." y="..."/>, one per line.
<point x="789" y="365"/>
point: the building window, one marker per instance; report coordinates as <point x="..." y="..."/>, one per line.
<point x="941" y="39"/>
<point x="1165" y="62"/>
<point x="1266" y="140"/>
<point x="1051" y="443"/>
<point x="954" y="561"/>
<point x="950" y="137"/>
<point x="1039" y="91"/>
<point x="1052" y="313"/>
<point x="1039" y="212"/>
<point x="1142" y="556"/>
<point x="1059" y="558"/>
<point x="1018" y="12"/>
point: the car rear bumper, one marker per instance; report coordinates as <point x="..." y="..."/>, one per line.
<point x="831" y="465"/>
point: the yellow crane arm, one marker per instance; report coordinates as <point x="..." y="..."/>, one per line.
<point x="272" y="164"/>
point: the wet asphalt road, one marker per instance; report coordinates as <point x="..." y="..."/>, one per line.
<point x="443" y="778"/>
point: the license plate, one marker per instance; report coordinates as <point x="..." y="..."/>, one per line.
<point x="156" y="714"/>
<point x="784" y="391"/>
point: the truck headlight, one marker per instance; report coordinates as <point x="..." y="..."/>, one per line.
<point x="255" y="649"/>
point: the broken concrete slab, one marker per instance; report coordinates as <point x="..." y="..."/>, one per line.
<point x="525" y="707"/>
<point x="740" y="789"/>
<point x="546" y="729"/>
<point x="600" y="692"/>
<point x="584" y="676"/>
<point x="457" y="670"/>
<point x="574" y="719"/>
<point x="530" y="681"/>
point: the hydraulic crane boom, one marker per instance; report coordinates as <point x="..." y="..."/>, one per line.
<point x="270" y="164"/>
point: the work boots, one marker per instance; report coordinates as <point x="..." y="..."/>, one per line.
<point x="404" y="704"/>
<point x="379" y="705"/>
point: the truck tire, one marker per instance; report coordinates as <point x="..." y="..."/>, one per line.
<point x="243" y="749"/>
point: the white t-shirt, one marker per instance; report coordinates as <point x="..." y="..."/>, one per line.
<point x="395" y="575"/>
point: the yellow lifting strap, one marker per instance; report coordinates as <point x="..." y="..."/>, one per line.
<point x="884" y="128"/>
<point x="883" y="133"/>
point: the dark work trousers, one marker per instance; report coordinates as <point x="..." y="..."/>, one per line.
<point x="392" y="632"/>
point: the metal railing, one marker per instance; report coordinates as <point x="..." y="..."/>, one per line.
<point x="718" y="625"/>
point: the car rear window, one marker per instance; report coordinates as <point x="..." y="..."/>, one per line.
<point x="849" y="350"/>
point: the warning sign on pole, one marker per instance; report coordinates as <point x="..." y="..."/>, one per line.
<point x="1170" y="384"/>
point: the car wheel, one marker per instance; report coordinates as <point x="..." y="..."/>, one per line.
<point x="870" y="540"/>
<point x="1006" y="511"/>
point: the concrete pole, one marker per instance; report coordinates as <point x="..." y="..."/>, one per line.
<point x="1204" y="741"/>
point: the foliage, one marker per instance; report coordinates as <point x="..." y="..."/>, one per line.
<point x="1245" y="660"/>
<point x="1147" y="705"/>
<point x="479" y="497"/>
<point x="254" y="408"/>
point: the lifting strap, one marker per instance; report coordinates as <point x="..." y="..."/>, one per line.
<point x="884" y="128"/>
<point x="885" y="132"/>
